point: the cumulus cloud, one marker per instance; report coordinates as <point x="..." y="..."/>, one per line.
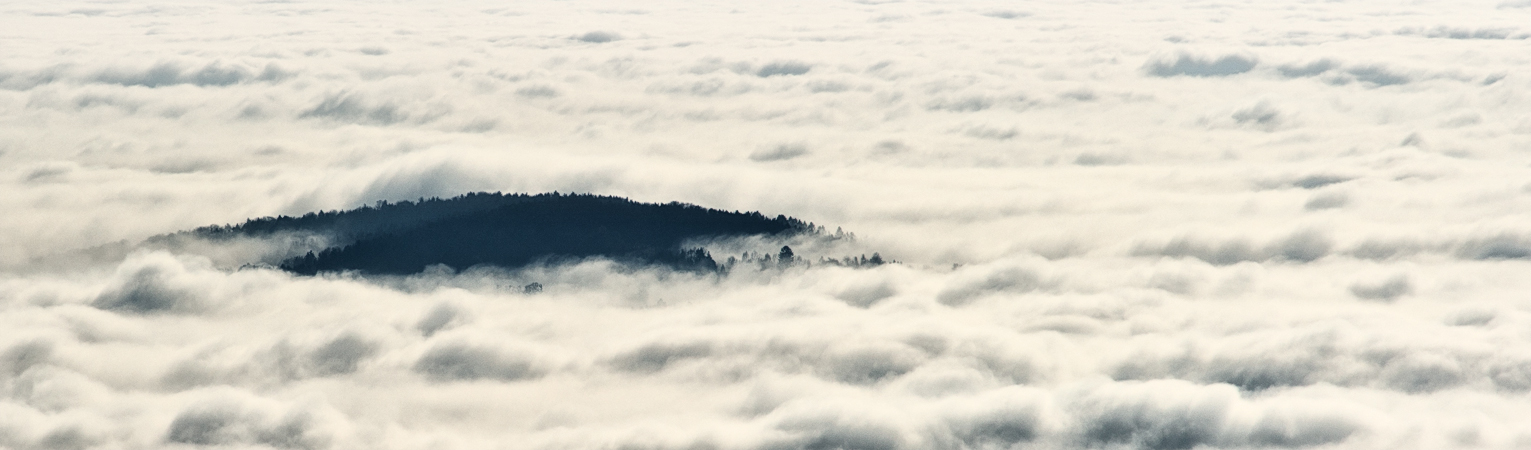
<point x="353" y="107"/>
<point x="1301" y="246"/>
<point x="153" y="283"/>
<point x="1445" y="32"/>
<point x="598" y="37"/>
<point x="654" y="357"/>
<point x="779" y="152"/>
<point x="468" y="361"/>
<point x="341" y="355"/>
<point x="1177" y="415"/>
<point x="866" y="293"/>
<point x="1165" y="226"/>
<point x="231" y="420"/>
<point x="1200" y="66"/>
<point x="1388" y="289"/>
<point x="783" y="68"/>
<point x="168" y="74"/>
<point x="997" y="279"/>
<point x="440" y="317"/>
<point x="1327" y="200"/>
<point x="164" y="73"/>
<point x="1262" y="115"/>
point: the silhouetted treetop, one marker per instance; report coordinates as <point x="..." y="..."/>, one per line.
<point x="378" y="218"/>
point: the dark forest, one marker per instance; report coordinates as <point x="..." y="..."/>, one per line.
<point x="511" y="230"/>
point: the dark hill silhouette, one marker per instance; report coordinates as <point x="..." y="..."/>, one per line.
<point x="511" y="231"/>
<point x="381" y="218"/>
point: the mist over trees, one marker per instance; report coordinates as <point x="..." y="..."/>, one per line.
<point x="786" y="258"/>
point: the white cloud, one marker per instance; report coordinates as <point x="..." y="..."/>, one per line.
<point x="1149" y="226"/>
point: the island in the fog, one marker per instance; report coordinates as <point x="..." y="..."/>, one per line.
<point x="515" y="230"/>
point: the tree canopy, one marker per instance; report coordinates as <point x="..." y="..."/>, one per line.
<point x="512" y="231"/>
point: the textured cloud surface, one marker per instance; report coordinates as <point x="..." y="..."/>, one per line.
<point x="1162" y="225"/>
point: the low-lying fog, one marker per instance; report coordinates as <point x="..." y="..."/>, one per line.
<point x="1161" y="225"/>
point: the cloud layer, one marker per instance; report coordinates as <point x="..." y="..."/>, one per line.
<point x="1156" y="225"/>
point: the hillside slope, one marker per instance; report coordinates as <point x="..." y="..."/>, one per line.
<point x="512" y="231"/>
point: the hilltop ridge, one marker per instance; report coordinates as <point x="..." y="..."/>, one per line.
<point x="510" y="230"/>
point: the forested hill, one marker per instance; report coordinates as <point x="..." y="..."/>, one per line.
<point x="380" y="218"/>
<point x="510" y="231"/>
